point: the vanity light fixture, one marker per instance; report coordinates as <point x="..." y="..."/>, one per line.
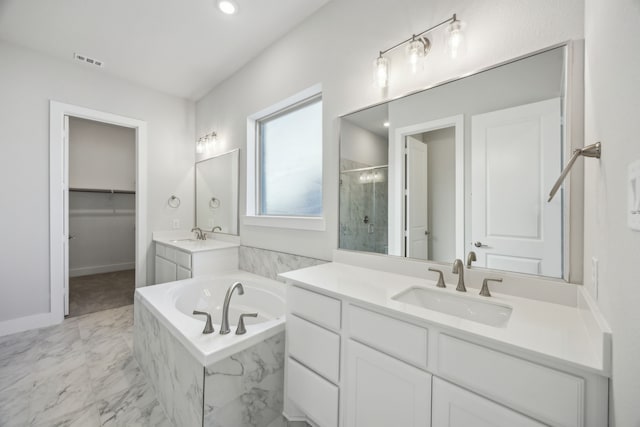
<point x="418" y="46"/>
<point x="385" y="124"/>
<point x="228" y="7"/>
<point x="204" y="143"/>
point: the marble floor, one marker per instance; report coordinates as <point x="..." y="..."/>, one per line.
<point x="80" y="373"/>
<point x="97" y="292"/>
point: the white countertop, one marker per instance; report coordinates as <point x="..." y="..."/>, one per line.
<point x="192" y="245"/>
<point x="572" y="335"/>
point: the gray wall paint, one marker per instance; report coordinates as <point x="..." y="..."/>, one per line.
<point x="28" y="81"/>
<point x="612" y="102"/>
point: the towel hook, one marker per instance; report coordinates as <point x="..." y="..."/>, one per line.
<point x="593" y="150"/>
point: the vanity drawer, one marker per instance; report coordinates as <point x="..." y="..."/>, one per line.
<point x="312" y="306"/>
<point x="169" y="253"/>
<point x="314" y="395"/>
<point x="395" y="337"/>
<point x="316" y="347"/>
<point x="183" y="259"/>
<point x="546" y="394"/>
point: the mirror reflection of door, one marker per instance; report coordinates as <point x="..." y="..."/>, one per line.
<point x="430" y="184"/>
<point x="516" y="157"/>
<point x="416" y="198"/>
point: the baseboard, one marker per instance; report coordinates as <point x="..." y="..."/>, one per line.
<point x="98" y="269"/>
<point x="21" y="324"/>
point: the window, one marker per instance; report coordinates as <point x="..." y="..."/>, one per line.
<point x="286" y="163"/>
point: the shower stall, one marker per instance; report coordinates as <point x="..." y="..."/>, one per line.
<point x="364" y="206"/>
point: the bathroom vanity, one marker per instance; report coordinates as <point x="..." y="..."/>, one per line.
<point x="184" y="257"/>
<point x="362" y="350"/>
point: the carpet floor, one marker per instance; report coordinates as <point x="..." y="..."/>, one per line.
<point x="97" y="292"/>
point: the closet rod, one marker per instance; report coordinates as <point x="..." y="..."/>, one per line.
<point x="100" y="190"/>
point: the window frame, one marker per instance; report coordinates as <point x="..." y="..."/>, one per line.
<point x="253" y="215"/>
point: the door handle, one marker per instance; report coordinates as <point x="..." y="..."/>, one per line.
<point x="479" y="245"/>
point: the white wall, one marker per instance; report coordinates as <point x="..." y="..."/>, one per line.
<point x="336" y="47"/>
<point x="101" y="155"/>
<point x="612" y="104"/>
<point x="362" y="145"/>
<point x="28" y="80"/>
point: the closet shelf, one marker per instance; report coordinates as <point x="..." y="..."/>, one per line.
<point x="101" y="190"/>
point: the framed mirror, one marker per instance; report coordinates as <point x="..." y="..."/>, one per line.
<point x="463" y="166"/>
<point x="217" y="193"/>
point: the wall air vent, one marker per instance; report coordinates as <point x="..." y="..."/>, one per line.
<point x="88" y="60"/>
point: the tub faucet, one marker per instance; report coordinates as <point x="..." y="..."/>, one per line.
<point x="217" y="227"/>
<point x="458" y="269"/>
<point x="224" y="327"/>
<point x="470" y="258"/>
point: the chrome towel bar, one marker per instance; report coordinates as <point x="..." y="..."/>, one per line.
<point x="593" y="150"/>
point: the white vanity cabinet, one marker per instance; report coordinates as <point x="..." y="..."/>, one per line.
<point x="453" y="406"/>
<point x="353" y="365"/>
<point x="382" y="391"/>
<point x="172" y="263"/>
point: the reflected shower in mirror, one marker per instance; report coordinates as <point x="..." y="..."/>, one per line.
<point x="462" y="166"/>
<point x="217" y="193"/>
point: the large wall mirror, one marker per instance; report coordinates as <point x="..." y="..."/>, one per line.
<point x="217" y="193"/>
<point x="464" y="166"/>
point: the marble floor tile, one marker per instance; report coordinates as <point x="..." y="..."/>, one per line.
<point x="135" y="406"/>
<point x="84" y="417"/>
<point x="14" y="403"/>
<point x="21" y="345"/>
<point x="107" y="324"/>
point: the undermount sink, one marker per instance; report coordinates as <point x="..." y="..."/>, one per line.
<point x="186" y="240"/>
<point x="467" y="307"/>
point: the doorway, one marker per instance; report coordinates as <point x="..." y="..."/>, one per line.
<point x="101" y="216"/>
<point x="61" y="194"/>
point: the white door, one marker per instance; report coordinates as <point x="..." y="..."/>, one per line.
<point x="65" y="206"/>
<point x="417" y="199"/>
<point x="383" y="391"/>
<point x="456" y="407"/>
<point x="516" y="157"/>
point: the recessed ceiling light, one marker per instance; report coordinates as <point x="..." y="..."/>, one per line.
<point x="228" y="6"/>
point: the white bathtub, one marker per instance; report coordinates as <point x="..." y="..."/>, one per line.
<point x="173" y="304"/>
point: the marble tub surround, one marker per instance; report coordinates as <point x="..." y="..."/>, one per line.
<point x="79" y="373"/>
<point x="268" y="263"/>
<point x="571" y="336"/>
<point x="246" y="389"/>
<point x="175" y="374"/>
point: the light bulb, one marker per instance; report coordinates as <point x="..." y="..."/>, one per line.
<point x="415" y="52"/>
<point x="385" y="124"/>
<point x="199" y="146"/>
<point x="456" y="38"/>
<point x="228" y="7"/>
<point x="381" y="71"/>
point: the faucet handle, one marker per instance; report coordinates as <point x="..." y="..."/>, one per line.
<point x="440" y="283"/>
<point x="208" y="327"/>
<point x="240" y="330"/>
<point x="485" y="286"/>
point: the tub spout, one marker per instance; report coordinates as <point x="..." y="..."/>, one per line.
<point x="224" y="327"/>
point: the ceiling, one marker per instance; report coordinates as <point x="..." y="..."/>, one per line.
<point x="182" y="47"/>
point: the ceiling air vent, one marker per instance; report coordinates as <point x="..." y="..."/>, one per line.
<point x="88" y="60"/>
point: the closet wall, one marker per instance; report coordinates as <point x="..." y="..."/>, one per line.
<point x="102" y="224"/>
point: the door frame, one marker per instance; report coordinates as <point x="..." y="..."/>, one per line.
<point x="58" y="195"/>
<point x="397" y="173"/>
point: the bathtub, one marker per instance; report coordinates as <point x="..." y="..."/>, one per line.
<point x="195" y="375"/>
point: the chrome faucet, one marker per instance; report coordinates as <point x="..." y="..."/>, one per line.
<point x="459" y="270"/>
<point x="224" y="327"/>
<point x="217" y="227"/>
<point x="200" y="235"/>
<point x="470" y="258"/>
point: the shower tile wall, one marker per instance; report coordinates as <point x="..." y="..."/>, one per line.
<point x="363" y="195"/>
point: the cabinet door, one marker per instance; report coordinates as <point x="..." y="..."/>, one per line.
<point x="456" y="407"/>
<point x="382" y="391"/>
<point x="183" y="273"/>
<point x="165" y="271"/>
